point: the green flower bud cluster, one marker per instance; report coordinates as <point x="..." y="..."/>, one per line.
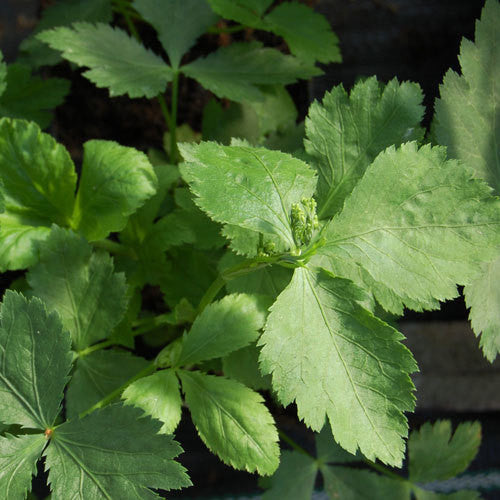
<point x="304" y="221"/>
<point x="266" y="249"/>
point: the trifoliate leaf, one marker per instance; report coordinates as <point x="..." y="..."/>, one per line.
<point x="98" y="374"/>
<point x="115" y="182"/>
<point x="352" y="484"/>
<point x="466" y="119"/>
<point x="346" y="132"/>
<point x="3" y="74"/>
<point x="483" y="298"/>
<point x="18" y="457"/>
<point x="232" y="421"/>
<point x="38" y="185"/>
<point x="112" y="453"/>
<point x="223" y="327"/>
<point x="116" y="60"/>
<point x="450" y="455"/>
<point x="236" y="71"/>
<point x="246" y="12"/>
<point x="34" y="362"/>
<point x="178" y="23"/>
<point x="317" y="331"/>
<point x="30" y="97"/>
<point x="82" y="286"/>
<point x="260" y="186"/>
<point x="294" y="479"/>
<point x="307" y="33"/>
<point x="417" y="223"/>
<point x="328" y="451"/>
<point x="159" y="396"/>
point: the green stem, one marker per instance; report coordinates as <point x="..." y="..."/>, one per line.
<point x="145" y="325"/>
<point x="164" y="110"/>
<point x="231" y="29"/>
<point x="384" y="470"/>
<point x="95" y="347"/>
<point x="288" y="440"/>
<point x="173" y="119"/>
<point x="117" y="392"/>
<point x="114" y="248"/>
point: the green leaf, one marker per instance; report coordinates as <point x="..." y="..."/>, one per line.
<point x="307" y="33"/>
<point x="483" y="299"/>
<point x="31" y="342"/>
<point x="417" y="223"/>
<point x="421" y="494"/>
<point x="112" y="453"/>
<point x="294" y="479"/>
<point x="115" y="182"/>
<point x="236" y="71"/>
<point x="232" y="421"/>
<point x="116" y="60"/>
<point x="246" y="12"/>
<point x="97" y="375"/>
<point x="328" y="451"/>
<point x="30" y="97"/>
<point x="259" y="186"/>
<point x="345" y="133"/>
<point x="223" y="327"/>
<point x="435" y="454"/>
<point x="178" y="22"/>
<point x="81" y="285"/>
<point x="317" y="331"/>
<point x="18" y="457"/>
<point x="352" y="484"/>
<point x="38" y="185"/>
<point x="159" y="396"/>
<point x="466" y="119"/>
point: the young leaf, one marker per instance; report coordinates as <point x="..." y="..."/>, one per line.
<point x="232" y="421"/>
<point x="450" y="455"/>
<point x="81" y="285"/>
<point x="236" y="71"/>
<point x="31" y="98"/>
<point x="116" y="60"/>
<point x="260" y="186"/>
<point x="417" y="223"/>
<point x="159" y="396"/>
<point x="294" y="478"/>
<point x="178" y="23"/>
<point x="112" y="453"/>
<point x="38" y="185"/>
<point x="307" y="33"/>
<point x="34" y="362"/>
<point x="98" y="374"/>
<point x="246" y="12"/>
<point x="345" y="133"/>
<point x="317" y="331"/>
<point x="115" y="182"/>
<point x="18" y="457"/>
<point x="223" y="327"/>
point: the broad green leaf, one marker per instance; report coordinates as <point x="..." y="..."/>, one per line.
<point x="345" y="133"/>
<point x="417" y="223"/>
<point x="466" y="119"/>
<point x="159" y="396"/>
<point x="97" y="375"/>
<point x="112" y="453"/>
<point x="34" y="362"/>
<point x="223" y="327"/>
<point x="243" y="365"/>
<point x="18" y="457"/>
<point x="232" y="421"/>
<point x="3" y="74"/>
<point x="259" y="186"/>
<point x="307" y="33"/>
<point x="236" y="71"/>
<point x="38" y="185"/>
<point x="115" y="182"/>
<point x="30" y="97"/>
<point x="328" y="451"/>
<point x="421" y="494"/>
<point x="352" y="484"/>
<point x="246" y="12"/>
<point x="434" y="454"/>
<point x="294" y="478"/>
<point x="116" y="60"/>
<point x="80" y="285"/>
<point x="483" y="299"/>
<point x="178" y="23"/>
<point x="317" y="331"/>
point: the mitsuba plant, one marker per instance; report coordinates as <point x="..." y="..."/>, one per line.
<point x="277" y="272"/>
